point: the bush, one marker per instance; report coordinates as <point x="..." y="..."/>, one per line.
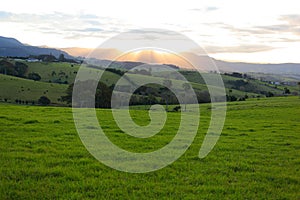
<point x="34" y="76"/>
<point x="177" y="108"/>
<point x="231" y="98"/>
<point x="43" y="100"/>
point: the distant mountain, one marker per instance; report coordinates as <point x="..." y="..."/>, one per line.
<point x="205" y="61"/>
<point x="14" y="48"/>
<point x="282" y="68"/>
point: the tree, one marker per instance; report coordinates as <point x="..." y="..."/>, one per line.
<point x="7" y="68"/>
<point x="61" y="58"/>
<point x="186" y="87"/>
<point x="44" y="101"/>
<point x="47" y="58"/>
<point x="168" y="84"/>
<point x="21" y="69"/>
<point x="299" y="88"/>
<point x="102" y="96"/>
<point x="286" y="91"/>
<point x="270" y="94"/>
<point x="34" y="76"/>
<point x="176" y="109"/>
<point x="231" y="98"/>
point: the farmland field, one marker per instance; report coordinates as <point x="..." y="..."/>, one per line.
<point x="256" y="157"/>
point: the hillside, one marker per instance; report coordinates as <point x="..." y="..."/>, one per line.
<point x="55" y="78"/>
<point x="13" y="48"/>
<point x="201" y="61"/>
<point x="10" y="47"/>
<point x="242" y="67"/>
<point x="14" y="88"/>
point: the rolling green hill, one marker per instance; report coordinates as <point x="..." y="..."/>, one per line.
<point x="55" y="77"/>
<point x="14" y="88"/>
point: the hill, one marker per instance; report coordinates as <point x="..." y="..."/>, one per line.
<point x="55" y="77"/>
<point x="202" y="61"/>
<point x="29" y="91"/>
<point x="10" y="47"/>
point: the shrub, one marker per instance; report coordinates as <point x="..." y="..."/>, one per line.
<point x="43" y="100"/>
<point x="34" y="76"/>
<point x="177" y="108"/>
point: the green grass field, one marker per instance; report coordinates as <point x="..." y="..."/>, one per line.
<point x="256" y="157"/>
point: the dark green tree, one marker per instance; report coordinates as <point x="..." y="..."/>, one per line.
<point x="61" y="58"/>
<point x="286" y="91"/>
<point x="168" y="84"/>
<point x="34" y="76"/>
<point x="21" y="69"/>
<point x="7" y="68"/>
<point x="102" y="96"/>
<point x="299" y="88"/>
<point x="44" y="101"/>
<point x="186" y="87"/>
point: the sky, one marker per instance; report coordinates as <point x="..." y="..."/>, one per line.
<point x="232" y="30"/>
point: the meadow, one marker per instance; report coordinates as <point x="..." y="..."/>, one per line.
<point x="256" y="157"/>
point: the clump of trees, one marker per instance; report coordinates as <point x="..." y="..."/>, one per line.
<point x="34" y="76"/>
<point x="46" y="58"/>
<point x="237" y="75"/>
<point x="115" y="71"/>
<point x="102" y="96"/>
<point x="18" y="69"/>
<point x="26" y="102"/>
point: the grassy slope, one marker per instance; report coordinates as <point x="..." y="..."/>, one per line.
<point x="257" y="156"/>
<point x="63" y="71"/>
<point x="46" y="69"/>
<point x="67" y="72"/>
<point x="13" y="88"/>
<point x="256" y="84"/>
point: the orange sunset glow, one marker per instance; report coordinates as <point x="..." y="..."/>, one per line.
<point x="155" y="57"/>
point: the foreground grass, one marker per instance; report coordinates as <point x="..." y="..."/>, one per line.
<point x="257" y="156"/>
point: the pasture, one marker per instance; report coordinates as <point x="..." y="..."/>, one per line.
<point x="256" y="157"/>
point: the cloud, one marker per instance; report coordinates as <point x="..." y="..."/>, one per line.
<point x="293" y="20"/>
<point x="290" y="24"/>
<point x="65" y="24"/>
<point x="99" y="53"/>
<point x="205" y="9"/>
<point x="88" y="16"/>
<point x="211" y="8"/>
<point x="244" y="48"/>
<point x="91" y="30"/>
<point x="4" y="15"/>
